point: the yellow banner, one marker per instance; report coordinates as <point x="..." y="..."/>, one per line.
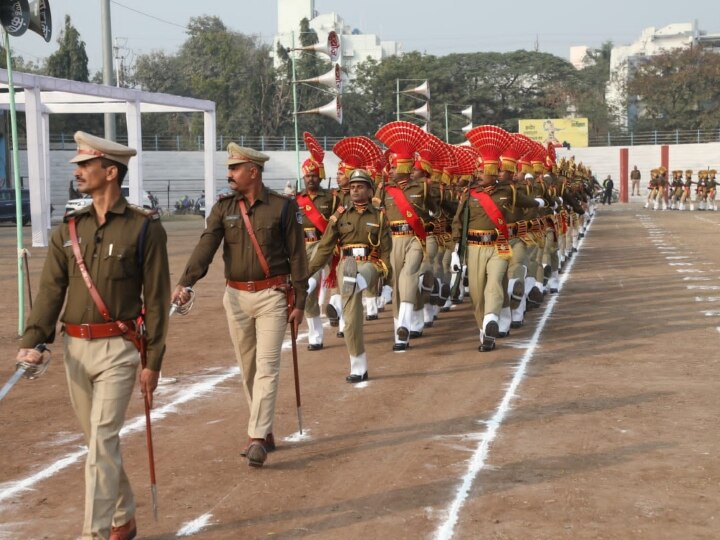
<point x="556" y="130"/>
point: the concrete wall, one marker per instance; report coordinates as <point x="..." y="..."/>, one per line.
<point x="606" y="160"/>
<point x="182" y="172"/>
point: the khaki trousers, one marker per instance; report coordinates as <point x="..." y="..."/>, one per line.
<point x="353" y="307"/>
<point x="486" y="271"/>
<point x="312" y="308"/>
<point x="405" y="258"/>
<point x="101" y="377"/>
<point x="426" y="267"/>
<point x="550" y="252"/>
<point x="257" y="323"/>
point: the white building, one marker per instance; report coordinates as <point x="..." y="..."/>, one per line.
<point x="355" y="46"/>
<point x="652" y="41"/>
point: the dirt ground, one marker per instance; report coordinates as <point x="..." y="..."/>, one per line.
<point x="612" y="432"/>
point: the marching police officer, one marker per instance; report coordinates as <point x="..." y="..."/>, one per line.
<point x="124" y="251"/>
<point x="264" y="256"/>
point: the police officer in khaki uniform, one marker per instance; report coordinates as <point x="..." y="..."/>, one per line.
<point x="317" y="205"/>
<point x="407" y="207"/>
<point x="124" y="248"/>
<point x="255" y="298"/>
<point x="488" y="250"/>
<point x="363" y="237"/>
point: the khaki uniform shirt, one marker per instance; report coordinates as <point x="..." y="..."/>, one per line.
<point x="352" y="227"/>
<point x="326" y="203"/>
<point x="112" y="255"/>
<point x="502" y="196"/>
<point x="418" y="195"/>
<point x="277" y="223"/>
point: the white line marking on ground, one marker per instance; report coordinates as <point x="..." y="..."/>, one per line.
<point x="703" y="287"/>
<point x="681" y="264"/>
<point x="711" y="313"/>
<point x="13" y="488"/>
<point x="194" y="526"/>
<point x="137" y="424"/>
<point x="477" y="461"/>
<point x="676" y="257"/>
<point x="689" y="271"/>
<point x="696" y="278"/>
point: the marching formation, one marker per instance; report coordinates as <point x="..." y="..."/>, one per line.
<point x="423" y="224"/>
<point x="419" y="224"/>
<point x="678" y="193"/>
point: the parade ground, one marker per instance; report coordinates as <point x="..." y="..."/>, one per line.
<point x="598" y="419"/>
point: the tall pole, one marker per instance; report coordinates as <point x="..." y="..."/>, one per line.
<point x="295" y="111"/>
<point x="107" y="50"/>
<point x="447" y="130"/>
<point x="397" y="94"/>
<point x="18" y="188"/>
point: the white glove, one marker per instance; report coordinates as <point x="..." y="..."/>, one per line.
<point x="541" y="202"/>
<point x="455" y="265"/>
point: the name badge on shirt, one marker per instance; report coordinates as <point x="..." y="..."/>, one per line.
<point x="232" y="218"/>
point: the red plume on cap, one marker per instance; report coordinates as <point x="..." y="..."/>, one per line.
<point x="314" y="164"/>
<point x="551" y="158"/>
<point x="434" y="155"/>
<point x="466" y="160"/>
<point x="512" y="154"/>
<point x="491" y="141"/>
<point x="314" y="147"/>
<point x="404" y="139"/>
<point x="355" y="152"/>
<point x="528" y="147"/>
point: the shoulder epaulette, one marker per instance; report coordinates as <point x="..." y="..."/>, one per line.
<point x="150" y="213"/>
<point x="339" y="212"/>
<point x="226" y="196"/>
<point x="76" y="213"/>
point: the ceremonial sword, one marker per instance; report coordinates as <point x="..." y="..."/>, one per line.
<point x="27" y="369"/>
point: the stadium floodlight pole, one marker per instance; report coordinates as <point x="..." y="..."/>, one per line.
<point x="295" y="111"/>
<point x="18" y="187"/>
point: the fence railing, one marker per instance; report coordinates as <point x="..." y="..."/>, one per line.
<point x="677" y="136"/>
<point x="154" y="142"/>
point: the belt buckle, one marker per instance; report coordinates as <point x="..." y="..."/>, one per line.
<point x="251" y="286"/>
<point x="85" y="331"/>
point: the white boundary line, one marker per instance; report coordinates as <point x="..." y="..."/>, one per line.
<point x="15" y="487"/>
<point x="479" y="457"/>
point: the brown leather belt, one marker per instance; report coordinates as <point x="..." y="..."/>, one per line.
<point x="481" y="238"/>
<point x="97" y="330"/>
<point x="259" y="285"/>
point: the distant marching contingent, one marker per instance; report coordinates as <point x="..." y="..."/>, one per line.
<point x="678" y="194"/>
<point x="495" y="220"/>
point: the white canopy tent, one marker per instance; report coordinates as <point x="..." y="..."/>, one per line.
<point x="43" y="96"/>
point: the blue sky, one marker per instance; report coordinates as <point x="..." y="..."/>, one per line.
<point x="439" y="28"/>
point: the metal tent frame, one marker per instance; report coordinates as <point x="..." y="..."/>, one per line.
<point x="44" y="96"/>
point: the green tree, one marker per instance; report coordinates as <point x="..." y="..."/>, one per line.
<point x="677" y="90"/>
<point x="588" y="95"/>
<point x="70" y="61"/>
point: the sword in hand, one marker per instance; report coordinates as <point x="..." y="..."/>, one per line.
<point x="31" y="364"/>
<point x="183" y="299"/>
